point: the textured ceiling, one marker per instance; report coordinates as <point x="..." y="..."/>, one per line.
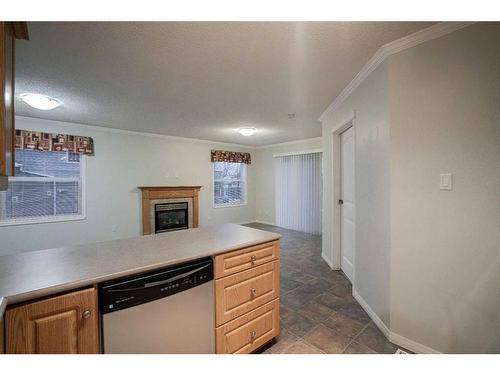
<point x="198" y="80"/>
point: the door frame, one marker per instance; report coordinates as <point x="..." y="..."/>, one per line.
<point x="336" y="254"/>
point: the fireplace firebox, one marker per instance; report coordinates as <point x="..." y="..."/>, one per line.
<point x="171" y="216"/>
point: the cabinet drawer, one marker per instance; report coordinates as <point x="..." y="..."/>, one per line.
<point x="250" y="331"/>
<point x="244" y="259"/>
<point x="237" y="294"/>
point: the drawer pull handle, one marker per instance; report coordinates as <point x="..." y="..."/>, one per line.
<point x="252" y="335"/>
<point x="253" y="259"/>
<point x="86" y="314"/>
<point x="253" y="291"/>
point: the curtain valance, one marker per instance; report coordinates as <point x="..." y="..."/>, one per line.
<point x="54" y="142"/>
<point x="231" y="157"/>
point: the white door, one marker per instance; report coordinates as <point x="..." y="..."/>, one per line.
<point x="347" y="223"/>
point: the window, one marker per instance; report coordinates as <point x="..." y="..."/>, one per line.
<point x="48" y="187"/>
<point x="229" y="184"/>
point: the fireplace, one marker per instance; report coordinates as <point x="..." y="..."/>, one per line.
<point x="171" y="216"/>
<point x="168" y="208"/>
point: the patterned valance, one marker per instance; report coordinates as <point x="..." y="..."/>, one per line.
<point x="54" y="142"/>
<point x="231" y="157"/>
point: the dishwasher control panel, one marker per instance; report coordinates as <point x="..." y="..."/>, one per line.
<point x="138" y="289"/>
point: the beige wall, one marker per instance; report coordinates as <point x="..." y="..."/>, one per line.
<point x="123" y="162"/>
<point x="265" y="174"/>
<point x="445" y="118"/>
<point x="428" y="110"/>
<point x="369" y="107"/>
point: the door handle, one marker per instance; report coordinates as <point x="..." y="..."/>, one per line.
<point x="341" y="201"/>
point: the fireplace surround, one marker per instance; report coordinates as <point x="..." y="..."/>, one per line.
<point x="168" y="208"/>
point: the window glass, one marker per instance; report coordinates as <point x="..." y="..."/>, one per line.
<point x="229" y="184"/>
<point x="47" y="184"/>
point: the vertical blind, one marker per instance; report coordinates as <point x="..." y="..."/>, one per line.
<point x="298" y="192"/>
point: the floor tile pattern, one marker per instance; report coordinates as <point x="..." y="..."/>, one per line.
<point x="318" y="313"/>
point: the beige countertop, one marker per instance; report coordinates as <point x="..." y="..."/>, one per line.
<point x="35" y="274"/>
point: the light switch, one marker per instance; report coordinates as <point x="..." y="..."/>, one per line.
<point x="445" y="181"/>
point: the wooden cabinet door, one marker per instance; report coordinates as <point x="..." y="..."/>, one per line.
<point x="65" y="324"/>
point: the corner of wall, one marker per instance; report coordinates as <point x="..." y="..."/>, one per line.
<point x="393" y="337"/>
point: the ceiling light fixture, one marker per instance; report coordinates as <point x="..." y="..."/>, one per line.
<point x="38" y="101"/>
<point x="247" y="132"/>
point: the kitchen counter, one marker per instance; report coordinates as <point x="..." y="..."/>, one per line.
<point x="36" y="274"/>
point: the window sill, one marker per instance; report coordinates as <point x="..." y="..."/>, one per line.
<point x="229" y="205"/>
<point x="41" y="220"/>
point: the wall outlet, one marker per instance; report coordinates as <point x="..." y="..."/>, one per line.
<point x="113" y="228"/>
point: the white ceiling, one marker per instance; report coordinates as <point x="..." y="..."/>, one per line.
<point x="198" y="80"/>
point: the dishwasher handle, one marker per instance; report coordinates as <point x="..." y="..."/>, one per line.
<point x="161" y="282"/>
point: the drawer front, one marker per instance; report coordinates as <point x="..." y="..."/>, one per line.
<point x="244" y="259"/>
<point x="250" y="331"/>
<point x="237" y="294"/>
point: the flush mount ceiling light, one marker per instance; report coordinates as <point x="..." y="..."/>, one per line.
<point x="247" y="132"/>
<point x="38" y="101"/>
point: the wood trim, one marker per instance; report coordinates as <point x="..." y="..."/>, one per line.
<point x="166" y="192"/>
<point x="195" y="209"/>
<point x="7" y="115"/>
<point x="2" y="336"/>
<point x="3" y="32"/>
<point x="20" y="30"/>
<point x="167" y="188"/>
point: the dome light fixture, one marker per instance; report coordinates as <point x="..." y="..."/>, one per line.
<point x="247" y="131"/>
<point x="39" y="101"/>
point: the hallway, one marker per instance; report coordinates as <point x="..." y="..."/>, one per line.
<point x="318" y="313"/>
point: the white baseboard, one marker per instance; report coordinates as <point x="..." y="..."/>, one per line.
<point x="264" y="222"/>
<point x="411" y="345"/>
<point x="245" y="222"/>
<point x="378" y="322"/>
<point x="327" y="260"/>
<point x="393" y="337"/>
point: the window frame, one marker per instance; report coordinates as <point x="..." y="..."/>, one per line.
<point x="226" y="205"/>
<point x="55" y="218"/>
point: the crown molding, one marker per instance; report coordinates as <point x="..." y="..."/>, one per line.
<point x="288" y="143"/>
<point x="85" y="127"/>
<point x="412" y="40"/>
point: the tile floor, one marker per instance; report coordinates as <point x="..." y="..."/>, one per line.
<point x="318" y="313"/>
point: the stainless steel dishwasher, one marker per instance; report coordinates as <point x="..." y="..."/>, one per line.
<point x="166" y="311"/>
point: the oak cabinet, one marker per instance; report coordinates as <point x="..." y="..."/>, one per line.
<point x="7" y="43"/>
<point x="9" y="32"/>
<point x="65" y="324"/>
<point x="247" y="298"/>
